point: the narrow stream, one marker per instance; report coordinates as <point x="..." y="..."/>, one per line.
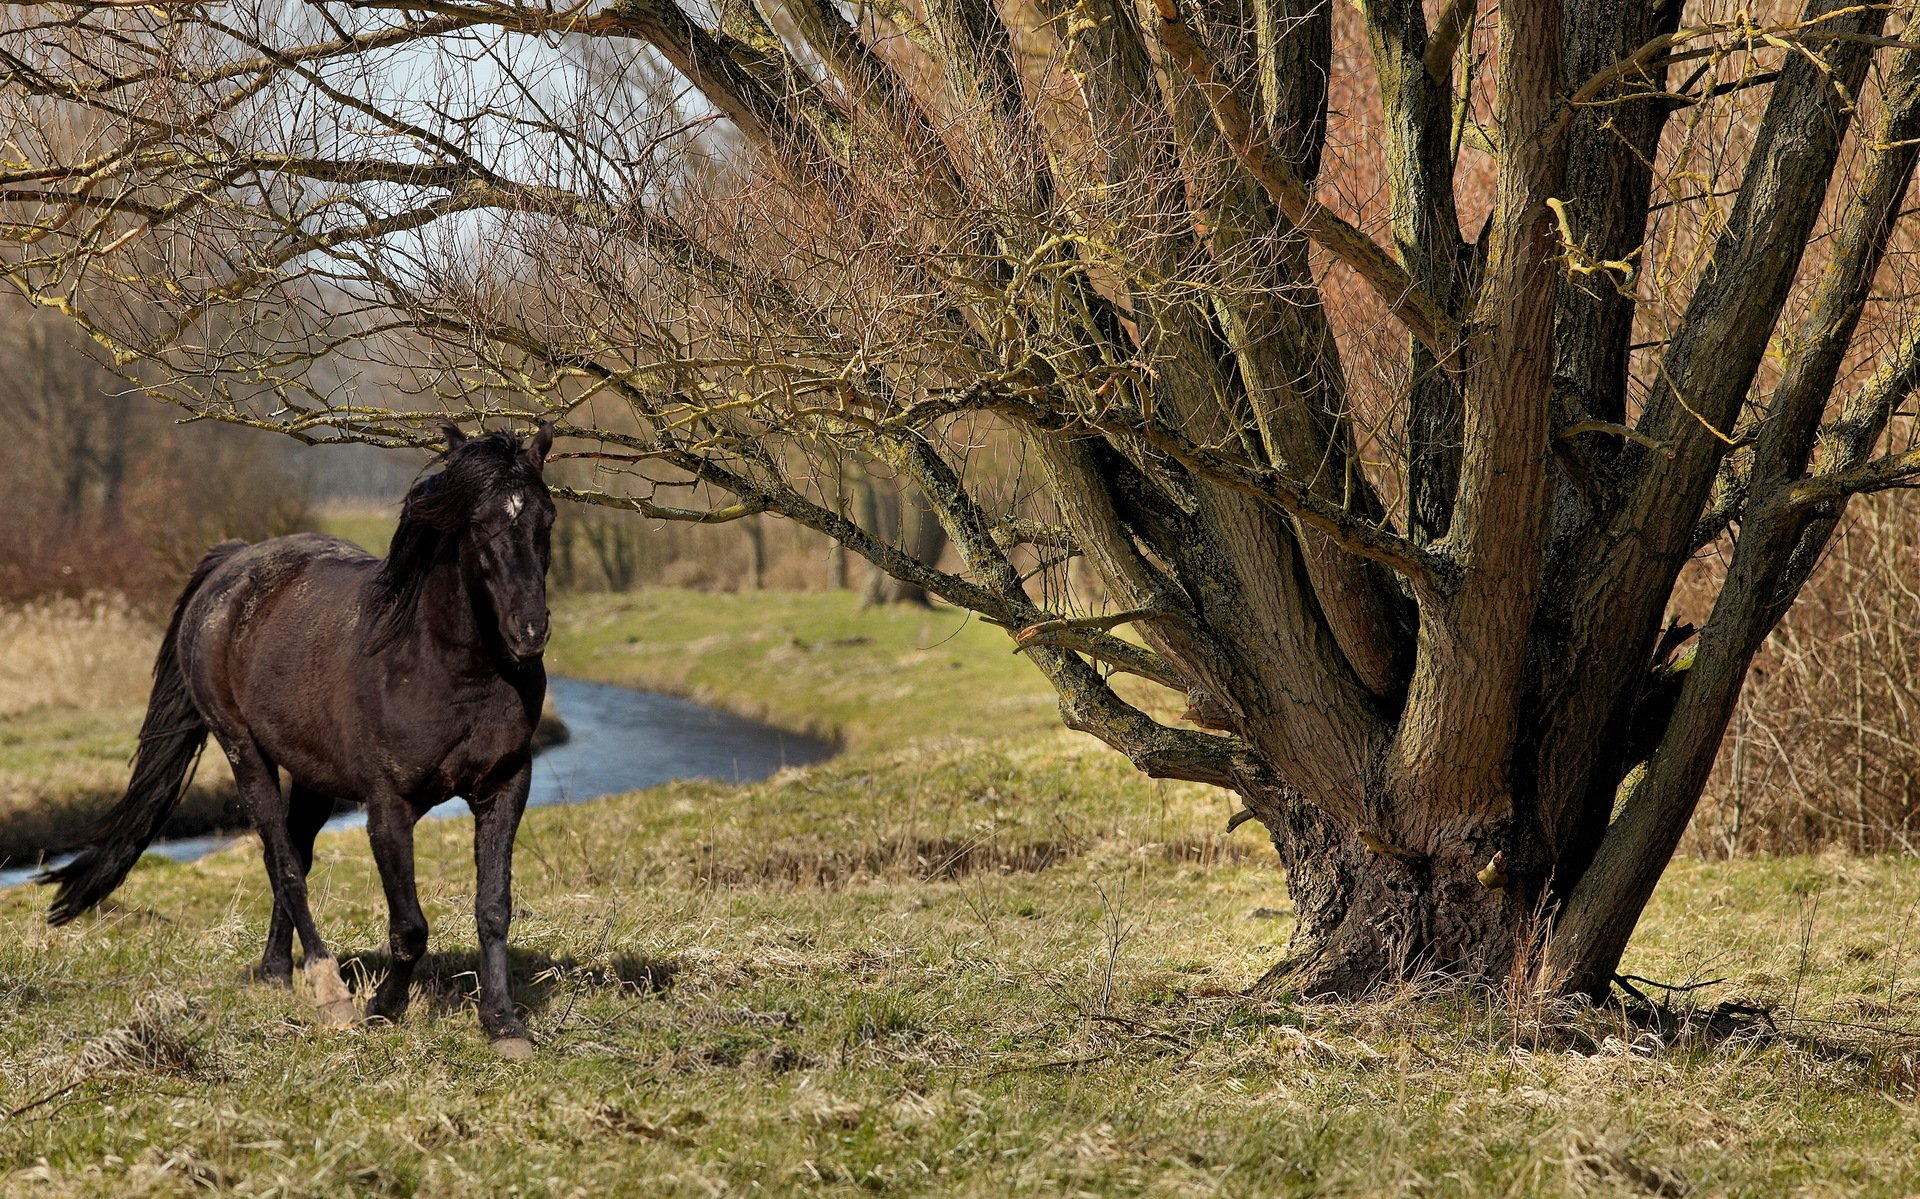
<point x="619" y="740"/>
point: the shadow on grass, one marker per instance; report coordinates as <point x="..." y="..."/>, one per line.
<point x="926" y="859"/>
<point x="448" y="983"/>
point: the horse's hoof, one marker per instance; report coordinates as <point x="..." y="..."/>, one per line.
<point x="331" y="999"/>
<point x="514" y="1049"/>
<point x="338" y="1014"/>
<point x="263" y="977"/>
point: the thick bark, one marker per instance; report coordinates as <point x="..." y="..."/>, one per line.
<point x="1773" y="547"/>
<point x="1609" y="586"/>
<point x="1368" y="917"/>
<point x="1426" y="234"/>
<point x="1448" y="774"/>
<point x="1299" y="415"/>
<point x="1610" y="153"/>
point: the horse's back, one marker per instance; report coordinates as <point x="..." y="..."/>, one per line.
<point x="258" y="579"/>
<point x="282" y="653"/>
<point x="284" y="610"/>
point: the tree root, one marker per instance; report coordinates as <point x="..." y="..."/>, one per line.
<point x="1726" y="1021"/>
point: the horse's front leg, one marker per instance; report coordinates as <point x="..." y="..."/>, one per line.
<point x="496" y="818"/>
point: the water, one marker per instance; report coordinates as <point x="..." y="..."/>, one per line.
<point x="620" y="740"/>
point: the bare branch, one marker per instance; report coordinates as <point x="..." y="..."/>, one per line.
<point x="1422" y="315"/>
<point x="1447" y="31"/>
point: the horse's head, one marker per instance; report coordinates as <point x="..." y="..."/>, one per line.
<point x="492" y="503"/>
<point x="505" y="546"/>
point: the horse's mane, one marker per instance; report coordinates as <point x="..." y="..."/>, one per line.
<point x="436" y="511"/>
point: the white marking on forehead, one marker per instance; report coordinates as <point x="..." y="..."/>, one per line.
<point x="515" y="502"/>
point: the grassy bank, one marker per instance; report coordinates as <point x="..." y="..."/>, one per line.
<point x="73" y="686"/>
<point x="812" y="662"/>
<point x="973" y="955"/>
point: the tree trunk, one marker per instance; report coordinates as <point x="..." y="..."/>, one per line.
<point x="1370" y="915"/>
<point x="756" y="553"/>
<point x="113" y="461"/>
<point x="898" y="514"/>
<point x="616" y="550"/>
<point x="837" y="572"/>
<point x="880" y="516"/>
<point x="79" y="453"/>
<point x="565" y="566"/>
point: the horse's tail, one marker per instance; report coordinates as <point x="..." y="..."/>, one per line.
<point x="170" y="740"/>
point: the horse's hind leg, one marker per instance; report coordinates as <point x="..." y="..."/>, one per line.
<point x="307" y="810"/>
<point x="268" y="809"/>
<point x="390" y="822"/>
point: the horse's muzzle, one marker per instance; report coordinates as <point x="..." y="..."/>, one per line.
<point x="528" y="638"/>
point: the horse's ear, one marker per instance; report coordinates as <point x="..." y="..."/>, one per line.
<point x="541" y="443"/>
<point x="455" y="438"/>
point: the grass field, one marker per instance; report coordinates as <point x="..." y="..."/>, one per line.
<point x="73" y="686"/>
<point x="973" y="955"/>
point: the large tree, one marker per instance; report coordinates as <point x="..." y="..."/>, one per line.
<point x="1387" y="426"/>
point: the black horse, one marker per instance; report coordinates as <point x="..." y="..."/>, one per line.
<point x="397" y="684"/>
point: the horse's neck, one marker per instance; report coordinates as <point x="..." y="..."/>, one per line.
<point x="447" y="624"/>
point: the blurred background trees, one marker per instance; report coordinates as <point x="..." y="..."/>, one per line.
<point x="105" y="490"/>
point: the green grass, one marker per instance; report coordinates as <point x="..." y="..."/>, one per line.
<point x="974" y="955"/>
<point x="812" y="662"/>
<point x="369" y="529"/>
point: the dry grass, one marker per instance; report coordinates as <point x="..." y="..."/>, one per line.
<point x="1824" y="748"/>
<point x="86" y="654"/>
<point x="943" y="964"/>
<point x="74" y="676"/>
<point x="1071" y="1027"/>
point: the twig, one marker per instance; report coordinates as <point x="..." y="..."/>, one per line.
<point x="47" y="1098"/>
<point x="1670" y="988"/>
<point x="1140" y="1030"/>
<point x="1447" y="32"/>
<point x="1102" y="624"/>
<point x="1423" y="316"/>
<point x="1618" y="430"/>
